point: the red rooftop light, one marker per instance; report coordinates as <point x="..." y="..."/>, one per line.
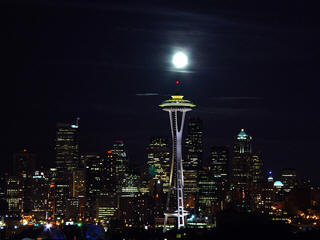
<point x="109" y="151"/>
<point x="177" y="82"/>
<point x="24" y="150"/>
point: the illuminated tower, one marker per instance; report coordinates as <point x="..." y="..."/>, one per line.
<point x="241" y="175"/>
<point x="219" y="170"/>
<point x="67" y="160"/>
<point x="159" y="160"/>
<point x="192" y="161"/>
<point x="177" y="108"/>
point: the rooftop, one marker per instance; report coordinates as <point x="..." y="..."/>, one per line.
<point x="242" y="135"/>
<point x="178" y="102"/>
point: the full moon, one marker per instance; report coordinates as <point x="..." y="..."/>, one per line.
<point x="180" y="60"/>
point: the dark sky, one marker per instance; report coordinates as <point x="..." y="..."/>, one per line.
<point x="252" y="65"/>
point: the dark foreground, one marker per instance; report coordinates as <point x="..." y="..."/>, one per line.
<point x="241" y="231"/>
<point x="229" y="227"/>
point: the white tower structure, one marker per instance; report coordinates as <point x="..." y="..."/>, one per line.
<point x="177" y="108"/>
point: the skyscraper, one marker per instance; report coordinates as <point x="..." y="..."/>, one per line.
<point x="67" y="147"/>
<point x="95" y="172"/>
<point x="207" y="190"/>
<point x="79" y="190"/>
<point x="219" y="169"/>
<point x="176" y="106"/>
<point x="192" y="161"/>
<point x="107" y="201"/>
<point x="247" y="175"/>
<point x="14" y="195"/>
<point x="257" y="169"/>
<point x="67" y="160"/>
<point x="40" y="194"/>
<point x="118" y="157"/>
<point x="24" y="164"/>
<point x="257" y="183"/>
<point x="241" y="178"/>
<point x="158" y="160"/>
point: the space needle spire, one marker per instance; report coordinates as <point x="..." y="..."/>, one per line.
<point x="177" y="107"/>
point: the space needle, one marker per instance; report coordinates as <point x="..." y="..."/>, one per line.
<point x="177" y="107"/>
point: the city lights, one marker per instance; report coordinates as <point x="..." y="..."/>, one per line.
<point x="198" y="120"/>
<point x="48" y="226"/>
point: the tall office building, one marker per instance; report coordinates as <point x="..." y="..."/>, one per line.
<point x="67" y="160"/>
<point x="247" y="175"/>
<point x="67" y="147"/>
<point x="158" y="160"/>
<point x="289" y="178"/>
<point x="207" y="190"/>
<point x="79" y="190"/>
<point x="192" y="161"/>
<point x="40" y="194"/>
<point x="241" y="166"/>
<point x="119" y="163"/>
<point x="128" y="200"/>
<point x="219" y="169"/>
<point x="14" y="195"/>
<point x="95" y="172"/>
<point x="112" y="179"/>
<point x="257" y="169"/>
<point x="24" y="164"/>
<point x="52" y="180"/>
<point x="257" y="184"/>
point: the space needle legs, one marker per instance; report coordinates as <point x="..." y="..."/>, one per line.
<point x="176" y="133"/>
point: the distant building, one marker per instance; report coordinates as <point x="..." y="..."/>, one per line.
<point x="79" y="189"/>
<point x="241" y="176"/>
<point x="106" y="206"/>
<point x="67" y="160"/>
<point x="268" y="193"/>
<point x="158" y="160"/>
<point x="52" y="180"/>
<point x="130" y="188"/>
<point x="247" y="175"/>
<point x="289" y="179"/>
<point x="67" y="147"/>
<point x="219" y="170"/>
<point x="95" y="180"/>
<point x="207" y="190"/>
<point x="146" y="180"/>
<point x="257" y="182"/>
<point x="24" y="164"/>
<point x="192" y="161"/>
<point x="107" y="189"/>
<point x="114" y="178"/>
<point x="118" y="163"/>
<point x="14" y="195"/>
<point x="40" y="194"/>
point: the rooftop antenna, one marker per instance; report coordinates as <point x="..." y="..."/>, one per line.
<point x="77" y="121"/>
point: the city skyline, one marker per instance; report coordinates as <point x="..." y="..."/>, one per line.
<point x="250" y="67"/>
<point x="90" y="153"/>
<point x="143" y="159"/>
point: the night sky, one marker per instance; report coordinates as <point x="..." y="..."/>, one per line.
<point x="251" y="66"/>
